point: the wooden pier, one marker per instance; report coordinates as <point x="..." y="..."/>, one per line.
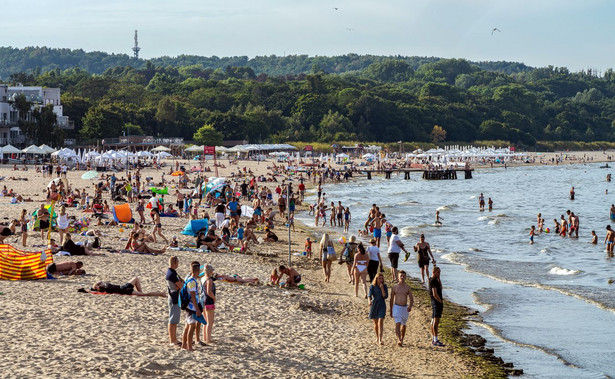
<point x="444" y="174"/>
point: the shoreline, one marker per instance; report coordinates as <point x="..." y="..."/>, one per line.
<point x="325" y="321"/>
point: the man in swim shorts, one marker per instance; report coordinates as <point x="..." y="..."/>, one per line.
<point x="377" y="225"/>
<point x="401" y="304"/>
<point x="437" y="305"/>
<point x="609" y="239"/>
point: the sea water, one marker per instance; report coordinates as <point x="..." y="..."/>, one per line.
<point x="546" y="307"/>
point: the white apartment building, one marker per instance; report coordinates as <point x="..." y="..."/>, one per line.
<point x="10" y="133"/>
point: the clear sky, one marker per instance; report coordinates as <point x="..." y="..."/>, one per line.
<point x="577" y="34"/>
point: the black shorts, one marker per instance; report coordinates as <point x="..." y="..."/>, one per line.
<point x="436" y="309"/>
<point x="394" y="258"/>
<point x="180" y="204"/>
<point x="423" y="261"/>
<point x="127" y="289"/>
<point x="43" y="224"/>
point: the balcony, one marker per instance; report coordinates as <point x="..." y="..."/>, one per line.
<point x="65" y="124"/>
<point x="18" y="140"/>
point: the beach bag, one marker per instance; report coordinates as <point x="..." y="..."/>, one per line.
<point x="184" y="296"/>
<point x="330" y="253"/>
<point x="350" y="250"/>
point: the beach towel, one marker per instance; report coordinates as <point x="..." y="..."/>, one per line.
<point x="22" y="265"/>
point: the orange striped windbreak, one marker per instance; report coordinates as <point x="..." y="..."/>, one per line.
<point x="22" y="265"/>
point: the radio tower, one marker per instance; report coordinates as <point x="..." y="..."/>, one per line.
<point x="136" y="49"/>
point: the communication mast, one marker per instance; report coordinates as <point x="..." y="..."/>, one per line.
<point x="136" y="49"/>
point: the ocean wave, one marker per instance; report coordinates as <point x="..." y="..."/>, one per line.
<point x="546" y="250"/>
<point x="494" y="222"/>
<point x="475" y="249"/>
<point x="409" y="202"/>
<point x="447" y="207"/>
<point x="562" y="271"/>
<point x="410" y="231"/>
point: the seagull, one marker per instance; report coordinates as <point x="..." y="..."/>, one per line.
<point x="336" y="8"/>
<point x="495" y="30"/>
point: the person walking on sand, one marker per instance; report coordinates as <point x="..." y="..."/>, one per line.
<point x="361" y="260"/>
<point x="174" y="284"/>
<point x="378" y="293"/>
<point x="324" y="249"/>
<point x="437" y="305"/>
<point x="401" y="303"/>
<point x="423" y="252"/>
<point x="374" y="260"/>
<point x="395" y="247"/>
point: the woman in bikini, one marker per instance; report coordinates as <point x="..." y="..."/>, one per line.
<point x="136" y="244"/>
<point x="361" y="260"/>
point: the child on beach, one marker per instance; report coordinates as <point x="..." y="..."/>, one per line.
<point x="274" y="276"/>
<point x="532" y="232"/>
<point x="308" y="248"/>
<point x="346" y="219"/>
<point x="438" y="218"/>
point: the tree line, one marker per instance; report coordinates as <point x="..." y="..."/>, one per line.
<point x="387" y="101"/>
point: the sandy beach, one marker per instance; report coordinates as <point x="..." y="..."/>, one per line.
<point x="51" y="330"/>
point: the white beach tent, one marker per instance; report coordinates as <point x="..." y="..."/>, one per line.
<point x="33" y="149"/>
<point x="144" y="154"/>
<point x="194" y="149"/>
<point x="10" y="149"/>
<point x="161" y="148"/>
<point x="47" y="149"/>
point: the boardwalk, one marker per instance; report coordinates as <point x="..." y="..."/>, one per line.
<point x="428" y="174"/>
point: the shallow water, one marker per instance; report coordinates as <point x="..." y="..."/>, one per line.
<point x="548" y="307"/>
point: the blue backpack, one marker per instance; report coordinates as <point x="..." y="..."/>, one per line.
<point x="184" y="296"/>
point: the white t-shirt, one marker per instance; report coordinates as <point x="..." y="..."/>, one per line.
<point x="154" y="202"/>
<point x="373" y="253"/>
<point x="393" y="246"/>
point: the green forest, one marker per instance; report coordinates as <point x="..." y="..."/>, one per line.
<point x="344" y="98"/>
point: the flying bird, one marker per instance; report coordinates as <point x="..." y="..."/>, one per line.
<point x="495" y="30"/>
<point x="336" y="8"/>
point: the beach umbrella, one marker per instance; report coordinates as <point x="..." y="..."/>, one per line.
<point x="89" y="175"/>
<point x="161" y="148"/>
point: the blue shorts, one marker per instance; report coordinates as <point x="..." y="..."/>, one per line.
<point x="389" y="234"/>
<point x="377" y="233"/>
